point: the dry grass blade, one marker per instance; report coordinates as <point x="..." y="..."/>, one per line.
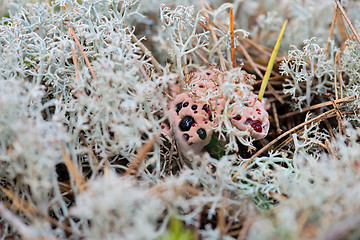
<point x="72" y="33"/>
<point x="18" y="203"/>
<point x="146" y="51"/>
<point x="258" y="153"/>
<point x="276" y="118"/>
<point x="26" y="207"/>
<point x="320" y="105"/>
<point x="245" y="228"/>
<point x="233" y="58"/>
<point x="347" y="19"/>
<point x="258" y="72"/>
<point x="271" y="62"/>
<point x="73" y="52"/>
<point x="214" y="35"/>
<point x="331" y="31"/>
<point x="140" y="156"/>
<point x="74" y="173"/>
<point x="14" y="220"/>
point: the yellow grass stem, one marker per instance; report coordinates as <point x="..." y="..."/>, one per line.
<point x="271" y="62"/>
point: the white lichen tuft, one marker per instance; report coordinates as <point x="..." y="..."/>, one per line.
<point x="76" y="117"/>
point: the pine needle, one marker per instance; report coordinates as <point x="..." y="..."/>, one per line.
<point x="271" y="62"/>
<point x="233" y="58"/>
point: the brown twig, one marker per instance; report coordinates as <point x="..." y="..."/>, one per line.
<point x="146" y="51"/>
<point x="329" y="147"/>
<point x="215" y="38"/>
<point x="258" y="72"/>
<point x="331" y="131"/>
<point x="339" y="115"/>
<point x="202" y="57"/>
<point x="245" y="228"/>
<point x="341" y="83"/>
<point x="140" y="156"/>
<point x="342" y="27"/>
<point x="72" y="32"/>
<point x="348" y="20"/>
<point x="265" y="51"/>
<point x="26" y="207"/>
<point x="276" y="117"/>
<point x="262" y="150"/>
<point x="73" y="52"/>
<point x="233" y="58"/>
<point x="335" y="76"/>
<point x="320" y="105"/>
<point x="331" y="31"/>
<point x="73" y="171"/>
<point x="287" y="141"/>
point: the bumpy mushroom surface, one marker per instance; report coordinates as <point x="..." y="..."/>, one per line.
<point x="192" y="120"/>
<point x="252" y="118"/>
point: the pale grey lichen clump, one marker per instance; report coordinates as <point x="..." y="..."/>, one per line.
<point x="55" y="114"/>
<point x="309" y="66"/>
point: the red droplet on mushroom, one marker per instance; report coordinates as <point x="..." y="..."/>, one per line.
<point x="206" y="108"/>
<point x="255" y="124"/>
<point x="258" y="111"/>
<point x="162" y="126"/>
<point x="237" y="118"/>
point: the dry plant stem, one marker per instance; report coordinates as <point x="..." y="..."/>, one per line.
<point x="331" y="31"/>
<point x="14" y="220"/>
<point x="276" y="117"/>
<point x="202" y="57"/>
<point x="342" y="27"/>
<point x="221" y="219"/>
<point x="274" y="79"/>
<point x="172" y="147"/>
<point x="348" y="20"/>
<point x="258" y="72"/>
<point x="140" y="156"/>
<point x="331" y="131"/>
<point x="329" y="148"/>
<point x="287" y="141"/>
<point x="230" y="225"/>
<point x="245" y="228"/>
<point x="28" y="209"/>
<point x="233" y="58"/>
<point x="324" y="146"/>
<point x="18" y="203"/>
<point x="82" y="138"/>
<point x="335" y="77"/>
<point x="73" y="52"/>
<point x="146" y="51"/>
<point x="74" y="172"/>
<point x="341" y="100"/>
<point x="341" y="83"/>
<point x="258" y="153"/>
<point x="251" y="61"/>
<point x="260" y="48"/>
<point x="213" y="34"/>
<point x="143" y="72"/>
<point x="271" y="62"/>
<point x="339" y="115"/>
<point x="302" y="219"/>
<point x="71" y="30"/>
